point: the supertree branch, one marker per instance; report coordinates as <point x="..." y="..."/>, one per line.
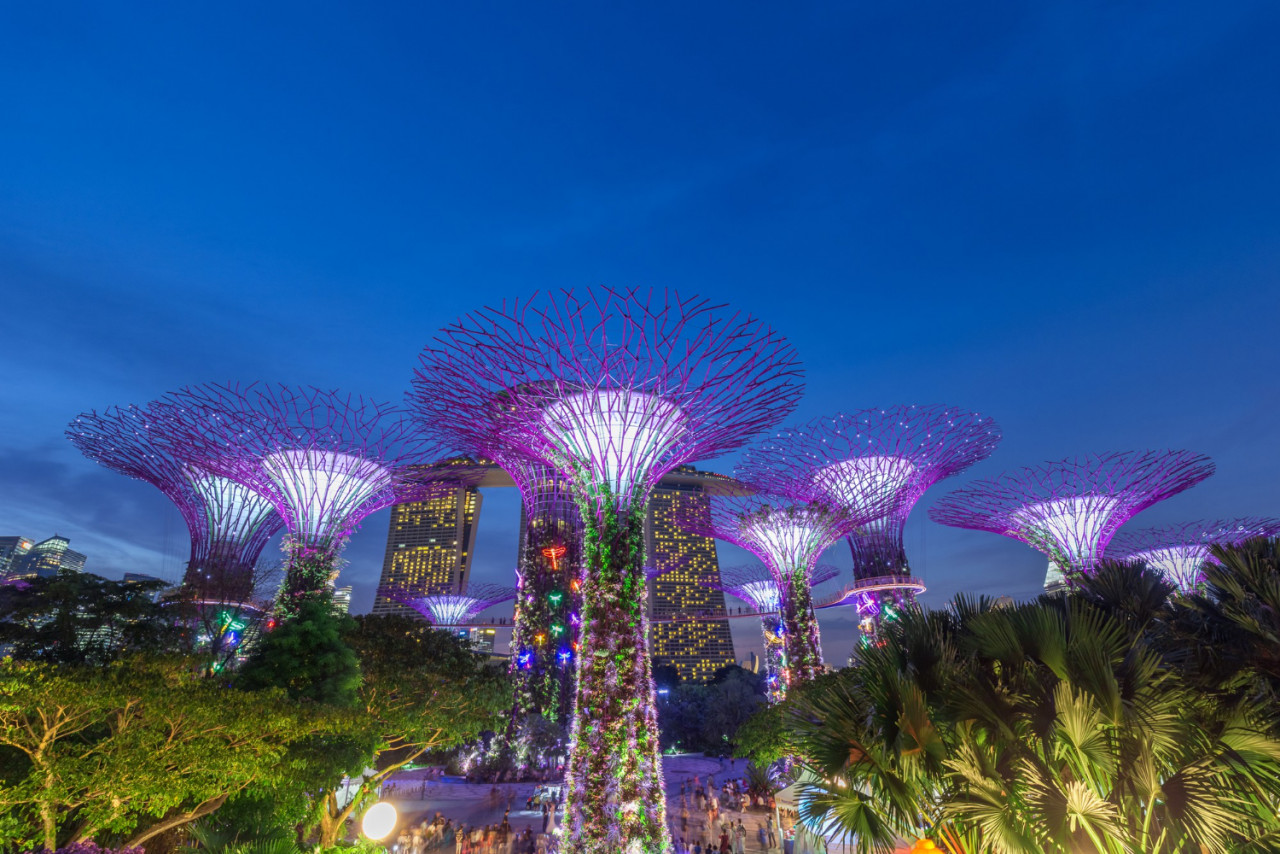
<point x="755" y="585"/>
<point x="615" y="388"/>
<point x="229" y="524"/>
<point x="1182" y="551"/>
<point x="890" y="456"/>
<point x="451" y="610"/>
<point x="788" y="537"/>
<point x="326" y="460"/>
<point x="1071" y="509"/>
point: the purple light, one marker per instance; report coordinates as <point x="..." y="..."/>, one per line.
<point x="1071" y="509"/>
<point x="1182" y="551"/>
<point x="324" y="459"/>
<point x="451" y="610"/>
<point x="229" y="523"/>
<point x="883" y="457"/>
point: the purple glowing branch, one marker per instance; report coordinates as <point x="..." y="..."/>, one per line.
<point x="451" y="610"/>
<point x="229" y="523"/>
<point x="615" y="387"/>
<point x="787" y="536"/>
<point x="1071" y="509"/>
<point x="325" y="459"/>
<point x="1182" y="551"/>
<point x="876" y="456"/>
<point x="755" y="584"/>
<point x="854" y="457"/>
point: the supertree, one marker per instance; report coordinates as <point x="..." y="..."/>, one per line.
<point x="755" y="585"/>
<point x="615" y="389"/>
<point x="1181" y="551"/>
<point x="788" y="535"/>
<point x="326" y="460"/>
<point x="892" y="456"/>
<point x="452" y="610"/>
<point x="229" y="524"/>
<point x="1070" y="510"/>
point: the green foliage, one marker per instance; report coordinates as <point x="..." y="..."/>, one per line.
<point x="708" y="718"/>
<point x="79" y="618"/>
<point x="1058" y="726"/>
<point x="1230" y="632"/>
<point x="307" y="657"/>
<point x="132" y="749"/>
<point x="422" y="690"/>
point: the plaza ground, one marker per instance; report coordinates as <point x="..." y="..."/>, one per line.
<point x="418" y="798"/>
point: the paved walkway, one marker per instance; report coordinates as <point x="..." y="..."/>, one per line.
<point x="418" y="799"/>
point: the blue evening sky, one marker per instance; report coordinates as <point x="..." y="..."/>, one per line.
<point x="1061" y="214"/>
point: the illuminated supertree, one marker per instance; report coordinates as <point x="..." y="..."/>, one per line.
<point x="452" y="610"/>
<point x="1181" y="551"/>
<point x="325" y="460"/>
<point x="229" y="523"/>
<point x="1070" y="510"/>
<point x="755" y="585"/>
<point x="614" y="388"/>
<point x="892" y="456"/>
<point x="788" y="536"/>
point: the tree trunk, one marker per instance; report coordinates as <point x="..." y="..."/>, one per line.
<point x="615" y="802"/>
<point x="803" y="647"/>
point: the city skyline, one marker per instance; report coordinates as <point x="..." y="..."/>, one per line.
<point x="954" y="207"/>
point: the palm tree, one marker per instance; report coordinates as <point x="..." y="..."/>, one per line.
<point x="1055" y="726"/>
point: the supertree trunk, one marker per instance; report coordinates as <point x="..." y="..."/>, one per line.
<point x="800" y="631"/>
<point x="615" y="802"/>
<point x="774" y="656"/>
<point x="545" y="628"/>
<point x="307" y="572"/>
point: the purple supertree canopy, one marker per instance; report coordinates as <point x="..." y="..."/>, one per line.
<point x="1181" y="551"/>
<point x="754" y="584"/>
<point x="879" y="456"/>
<point x="325" y="459"/>
<point x="787" y="535"/>
<point x="1071" y="509"/>
<point x="615" y="387"/>
<point x="228" y="522"/>
<point x="454" y="609"/>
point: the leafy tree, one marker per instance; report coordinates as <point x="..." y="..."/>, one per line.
<point x="307" y="657"/>
<point x="79" y="618"/>
<point x="130" y="750"/>
<point x="1056" y="726"/>
<point x="422" y="690"/>
<point x="707" y="717"/>
<point x="1230" y="632"/>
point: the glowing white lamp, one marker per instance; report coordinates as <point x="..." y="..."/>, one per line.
<point x="379" y="821"/>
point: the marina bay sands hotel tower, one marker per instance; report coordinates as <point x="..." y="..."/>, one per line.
<point x="430" y="546"/>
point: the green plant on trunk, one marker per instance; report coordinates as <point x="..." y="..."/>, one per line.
<point x="615" y="729"/>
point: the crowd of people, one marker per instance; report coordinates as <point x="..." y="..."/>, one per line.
<point x="710" y="828"/>
<point x="442" y="836"/>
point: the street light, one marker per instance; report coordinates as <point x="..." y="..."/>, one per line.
<point x="379" y="821"/>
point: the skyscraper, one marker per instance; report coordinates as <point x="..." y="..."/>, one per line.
<point x="48" y="557"/>
<point x="695" y="647"/>
<point x="429" y="548"/>
<point x="12" y="551"/>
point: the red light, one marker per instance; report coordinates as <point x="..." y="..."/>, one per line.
<point x="554" y="553"/>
